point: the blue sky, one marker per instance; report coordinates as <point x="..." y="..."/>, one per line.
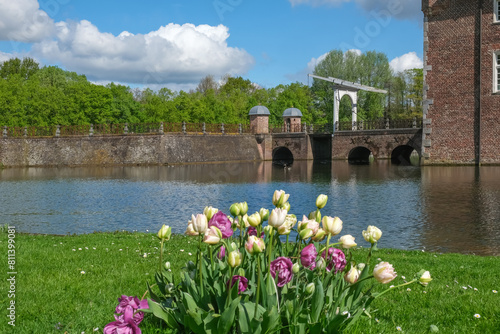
<point x="176" y="43"/>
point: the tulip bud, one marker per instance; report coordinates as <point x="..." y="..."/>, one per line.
<point x="310" y="288"/>
<point x="268" y="229"/>
<point x="167" y="265"/>
<point x="234" y="209"/>
<point x="234" y="258"/>
<point x="243" y="208"/>
<point x="352" y="275"/>
<point x="165" y="232"/>
<point x="279" y="198"/>
<point x="361" y="266"/>
<point x="264" y="214"/>
<point x="286" y="206"/>
<point x="209" y="212"/>
<point x="296" y="268"/>
<point x="347" y="241"/>
<point x="306" y="233"/>
<point x="425" y="278"/>
<point x="372" y="234"/>
<point x="254" y="245"/>
<point x="332" y="226"/>
<point x="254" y="219"/>
<point x="320" y="235"/>
<point x="320" y="264"/>
<point x="200" y="223"/>
<point x="321" y="201"/>
<point x="241" y="272"/>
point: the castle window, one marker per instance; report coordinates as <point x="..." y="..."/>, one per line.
<point x="496" y="11"/>
<point x="496" y="72"/>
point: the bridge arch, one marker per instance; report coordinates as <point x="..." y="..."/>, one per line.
<point x="360" y="155"/>
<point x="402" y="155"/>
<point x="282" y="156"/>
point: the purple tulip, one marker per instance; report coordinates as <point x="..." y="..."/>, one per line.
<point x="308" y="256"/>
<point x="242" y="283"/>
<point x="221" y="254"/>
<point x="336" y="260"/>
<point x="127" y="322"/>
<point x="253" y="231"/>
<point x="223" y="223"/>
<point x="283" y="266"/>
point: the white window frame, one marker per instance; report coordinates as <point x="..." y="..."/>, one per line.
<point x="496" y="8"/>
<point x="496" y="71"/>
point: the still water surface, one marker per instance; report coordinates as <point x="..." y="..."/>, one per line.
<point x="445" y="209"/>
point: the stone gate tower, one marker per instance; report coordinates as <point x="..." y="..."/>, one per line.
<point x="461" y="81"/>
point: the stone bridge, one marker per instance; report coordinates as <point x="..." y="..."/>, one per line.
<point x="356" y="146"/>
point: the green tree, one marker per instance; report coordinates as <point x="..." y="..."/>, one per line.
<point x="24" y="68"/>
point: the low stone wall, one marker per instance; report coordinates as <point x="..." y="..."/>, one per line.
<point x="129" y="150"/>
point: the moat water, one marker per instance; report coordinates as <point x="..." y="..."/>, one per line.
<point x="443" y="209"/>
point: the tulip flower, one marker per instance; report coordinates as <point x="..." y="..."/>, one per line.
<point x="131" y="317"/>
<point x="167" y="265"/>
<point x="332" y="225"/>
<point x="286" y="206"/>
<point x="287" y="226"/>
<point x="352" y="275"/>
<point x="321" y="201"/>
<point x="242" y="283"/>
<point x="277" y="217"/>
<point x="296" y="268"/>
<point x="244" y="222"/>
<point x="209" y="212"/>
<point x="212" y="236"/>
<point x="165" y="232"/>
<point x="190" y="229"/>
<point x="200" y="223"/>
<point x="320" y="264"/>
<point x="425" y="278"/>
<point x="223" y="223"/>
<point x="282" y="267"/>
<point x="254" y="219"/>
<point x="347" y="241"/>
<point x="308" y="256"/>
<point x="255" y="245"/>
<point x="336" y="260"/>
<point x="311" y="224"/>
<point x="222" y="253"/>
<point x="279" y="198"/>
<point x="384" y="272"/>
<point x="372" y="234"/>
<point x="264" y="214"/>
<point x="234" y="258"/>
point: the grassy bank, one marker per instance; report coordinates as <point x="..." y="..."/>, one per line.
<point x="72" y="283"/>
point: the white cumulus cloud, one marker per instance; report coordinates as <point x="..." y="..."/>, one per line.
<point x="172" y="54"/>
<point x="24" y="21"/>
<point x="400" y="9"/>
<point x="406" y="62"/>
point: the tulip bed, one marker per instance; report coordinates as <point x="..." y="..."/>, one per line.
<point x="72" y="284"/>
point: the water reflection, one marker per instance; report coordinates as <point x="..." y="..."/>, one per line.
<point x="449" y="209"/>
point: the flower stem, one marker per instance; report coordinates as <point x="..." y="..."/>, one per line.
<point x="200" y="265"/>
<point x="161" y="255"/>
<point x="258" y="287"/>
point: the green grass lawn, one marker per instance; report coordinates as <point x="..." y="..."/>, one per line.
<point x="71" y="284"/>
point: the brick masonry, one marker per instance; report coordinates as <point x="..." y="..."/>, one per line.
<point x="461" y="110"/>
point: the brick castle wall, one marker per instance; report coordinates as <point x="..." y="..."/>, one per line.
<point x="457" y="127"/>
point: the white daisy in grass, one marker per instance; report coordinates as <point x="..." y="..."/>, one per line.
<point x="82" y="272"/>
<point x="399" y="329"/>
<point x="408" y="289"/>
<point x="477" y="316"/>
<point x="494" y="291"/>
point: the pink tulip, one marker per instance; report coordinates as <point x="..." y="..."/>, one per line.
<point x="223" y="223"/>
<point x="284" y="268"/>
<point x="242" y="283"/>
<point x="336" y="260"/>
<point x="308" y="256"/>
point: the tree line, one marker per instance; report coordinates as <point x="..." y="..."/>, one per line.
<point x="49" y="95"/>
